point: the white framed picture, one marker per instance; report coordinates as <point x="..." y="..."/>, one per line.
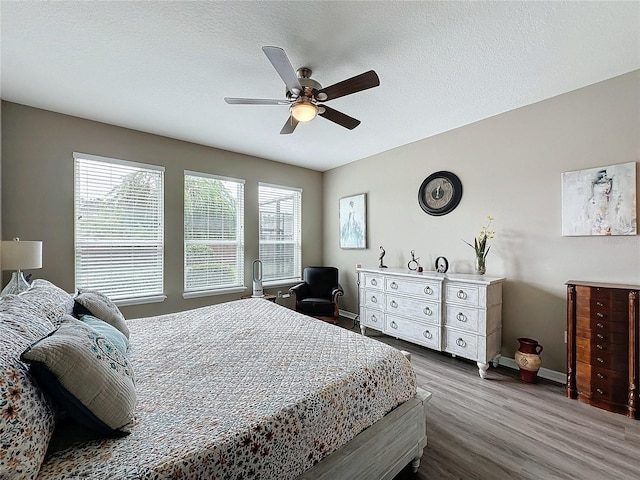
<point x="353" y="221"/>
<point x="600" y="201"/>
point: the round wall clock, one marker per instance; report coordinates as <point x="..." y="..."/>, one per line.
<point x="440" y="193"/>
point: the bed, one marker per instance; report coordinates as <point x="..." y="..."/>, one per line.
<point x="250" y="389"/>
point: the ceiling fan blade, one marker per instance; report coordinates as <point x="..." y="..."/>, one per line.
<point x="290" y="126"/>
<point x="338" y="117"/>
<point x="255" y="101"/>
<point x="281" y="63"/>
<point x="355" y="84"/>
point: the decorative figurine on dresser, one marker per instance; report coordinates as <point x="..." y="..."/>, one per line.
<point x="458" y="313"/>
<point x="602" y="346"/>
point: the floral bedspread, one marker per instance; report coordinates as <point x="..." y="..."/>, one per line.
<point x="242" y="390"/>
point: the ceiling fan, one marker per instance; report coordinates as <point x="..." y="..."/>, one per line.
<point x="304" y="94"/>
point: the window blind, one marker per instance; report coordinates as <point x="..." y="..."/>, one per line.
<point x="213" y="232"/>
<point x="280" y="217"/>
<point x="119" y="227"/>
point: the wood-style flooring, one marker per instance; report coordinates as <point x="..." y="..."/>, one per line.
<point x="502" y="428"/>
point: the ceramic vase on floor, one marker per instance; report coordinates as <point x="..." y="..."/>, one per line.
<point x="528" y="359"/>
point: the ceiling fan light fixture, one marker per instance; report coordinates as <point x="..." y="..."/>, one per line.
<point x="304" y="111"/>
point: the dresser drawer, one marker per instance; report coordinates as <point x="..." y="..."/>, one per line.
<point x="611" y="377"/>
<point x="600" y="304"/>
<point x="422" y="289"/>
<point x="603" y="293"/>
<point x="606" y="360"/>
<point x="595" y="346"/>
<point x="599" y="325"/>
<point x="416" y="332"/>
<point x="604" y="314"/>
<point x="372" y="281"/>
<point x="462" y="318"/>
<point x="372" y="298"/>
<point x="372" y="318"/>
<point x="464" y="294"/>
<point x="604" y="336"/>
<point x="460" y="343"/>
<point x="413" y="308"/>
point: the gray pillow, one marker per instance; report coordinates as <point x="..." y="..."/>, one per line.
<point x="86" y="376"/>
<point x="100" y="306"/>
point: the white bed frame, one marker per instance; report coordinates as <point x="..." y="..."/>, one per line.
<point x="381" y="451"/>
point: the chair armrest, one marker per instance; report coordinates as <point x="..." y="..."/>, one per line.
<point x="337" y="292"/>
<point x="299" y="291"/>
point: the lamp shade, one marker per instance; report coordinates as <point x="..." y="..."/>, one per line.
<point x="19" y="255"/>
<point x="304" y="111"/>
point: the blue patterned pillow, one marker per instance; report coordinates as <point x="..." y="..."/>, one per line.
<point x="114" y="335"/>
<point x="101" y="394"/>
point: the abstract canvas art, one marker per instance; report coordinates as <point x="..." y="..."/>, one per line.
<point x="353" y="221"/>
<point x="600" y="201"/>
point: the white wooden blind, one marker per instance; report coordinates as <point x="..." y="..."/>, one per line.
<point x="119" y="227"/>
<point x="280" y="217"/>
<point x="213" y="233"/>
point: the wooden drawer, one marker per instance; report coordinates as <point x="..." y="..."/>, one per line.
<point x="423" y="289"/>
<point x="600" y="304"/>
<point x="609" y="387"/>
<point x="413" y="308"/>
<point x="594" y="346"/>
<point x="604" y="336"/>
<point x="464" y="294"/>
<point x="604" y="293"/>
<point x="372" y="281"/>
<point x="604" y="315"/>
<point x="416" y="332"/>
<point x="462" y="318"/>
<point x="606" y="360"/>
<point x="598" y="325"/>
<point x="460" y="343"/>
<point x="372" y="298"/>
<point x="586" y="371"/>
<point x="372" y="318"/>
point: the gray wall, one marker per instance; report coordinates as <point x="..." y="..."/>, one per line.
<point x="37" y="192"/>
<point x="510" y="166"/>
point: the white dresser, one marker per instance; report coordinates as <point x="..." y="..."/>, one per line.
<point x="456" y="313"/>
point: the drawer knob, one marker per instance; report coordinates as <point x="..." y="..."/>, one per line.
<point x="599" y="375"/>
<point x="600" y="360"/>
<point x="394" y="285"/>
<point x="599" y="325"/>
<point x="427" y="311"/>
<point x="461" y="343"/>
<point x="461" y="317"/>
<point x="374" y="299"/>
<point x="599" y="304"/>
<point x="374" y="282"/>
<point x="394" y="304"/>
<point x="599" y="391"/>
<point x="394" y="325"/>
<point x="374" y="318"/>
<point x="428" y="290"/>
<point x="599" y="314"/>
<point x="599" y="347"/>
<point x="427" y="334"/>
<point x="461" y="294"/>
<point x="599" y="335"/>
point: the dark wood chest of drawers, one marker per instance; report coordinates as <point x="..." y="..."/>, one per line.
<point x="602" y="345"/>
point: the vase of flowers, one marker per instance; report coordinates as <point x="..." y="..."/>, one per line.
<point x="480" y="246"/>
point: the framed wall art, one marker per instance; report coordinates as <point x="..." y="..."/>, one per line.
<point x="600" y="201"/>
<point x="353" y="221"/>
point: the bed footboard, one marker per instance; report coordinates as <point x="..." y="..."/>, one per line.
<point x="382" y="450"/>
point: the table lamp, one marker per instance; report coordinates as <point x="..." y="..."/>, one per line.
<point x="18" y="255"/>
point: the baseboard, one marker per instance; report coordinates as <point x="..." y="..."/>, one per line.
<point x="347" y="314"/>
<point x="552" y="375"/>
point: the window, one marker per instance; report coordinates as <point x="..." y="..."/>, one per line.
<point x="213" y="234"/>
<point x="119" y="228"/>
<point x="280" y="212"/>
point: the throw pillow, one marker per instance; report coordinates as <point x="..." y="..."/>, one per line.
<point x="26" y="417"/>
<point x="110" y="332"/>
<point x="100" y="306"/>
<point x="86" y="376"/>
<point x="49" y="299"/>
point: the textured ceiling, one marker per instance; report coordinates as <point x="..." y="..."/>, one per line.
<point x="164" y="67"/>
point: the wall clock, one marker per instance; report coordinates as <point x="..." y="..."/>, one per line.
<point x="440" y="193"/>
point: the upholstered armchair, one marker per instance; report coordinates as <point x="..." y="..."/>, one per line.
<point x="317" y="296"/>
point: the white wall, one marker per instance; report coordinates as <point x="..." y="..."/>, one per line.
<point x="510" y="166"/>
